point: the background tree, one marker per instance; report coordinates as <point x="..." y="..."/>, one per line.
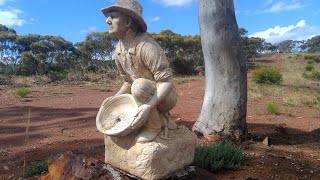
<point x="312" y="45"/>
<point x="8" y="50"/>
<point x="96" y="51"/>
<point x="183" y="52"/>
<point x="225" y="101"/>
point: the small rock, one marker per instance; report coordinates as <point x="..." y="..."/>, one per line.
<point x="266" y="141"/>
<point x="6" y="168"/>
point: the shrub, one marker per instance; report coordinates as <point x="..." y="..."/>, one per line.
<point x="183" y="67"/>
<point x="220" y="156"/>
<point x="36" y="169"/>
<point x="309" y="68"/>
<point x="23" y="91"/>
<point x="316" y="75"/>
<point x="266" y="75"/>
<point x="310" y="62"/>
<point x="315" y="58"/>
<point x="57" y="76"/>
<point x="273" y="108"/>
<point x="4" y="80"/>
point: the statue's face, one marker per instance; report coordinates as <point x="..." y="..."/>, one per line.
<point x="117" y="24"/>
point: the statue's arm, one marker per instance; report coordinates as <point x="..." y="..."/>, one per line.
<point x="125" y="89"/>
<point x="155" y="60"/>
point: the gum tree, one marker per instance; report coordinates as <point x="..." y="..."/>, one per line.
<point x="225" y="100"/>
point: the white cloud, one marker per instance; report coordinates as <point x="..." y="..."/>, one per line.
<point x="90" y="29"/>
<point x="281" y="6"/>
<point x="178" y="3"/>
<point x="3" y="2"/>
<point x="155" y="19"/>
<point x="10" y="17"/>
<point x="300" y="31"/>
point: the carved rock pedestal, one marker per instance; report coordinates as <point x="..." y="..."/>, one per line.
<point x="152" y="160"/>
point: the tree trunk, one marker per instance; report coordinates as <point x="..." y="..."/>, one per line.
<point x="225" y="101"/>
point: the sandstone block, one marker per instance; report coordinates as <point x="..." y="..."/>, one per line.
<point x="152" y="160"/>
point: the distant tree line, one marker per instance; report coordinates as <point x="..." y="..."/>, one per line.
<point x="54" y="56"/>
<point x="255" y="45"/>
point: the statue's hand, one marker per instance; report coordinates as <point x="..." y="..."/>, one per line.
<point x="141" y="115"/>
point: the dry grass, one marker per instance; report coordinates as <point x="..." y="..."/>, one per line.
<point x="294" y="91"/>
<point x="186" y="79"/>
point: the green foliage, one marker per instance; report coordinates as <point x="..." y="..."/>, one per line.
<point x="312" y="45"/>
<point x="183" y="67"/>
<point x="267" y="75"/>
<point x="36" y="169"/>
<point x="273" y="108"/>
<point x="220" y="156"/>
<point x="316" y="75"/>
<point x="310" y="62"/>
<point x="309" y="68"/>
<point x="57" y="76"/>
<point x="23" y="91"/>
<point x="312" y="57"/>
<point x="183" y="52"/>
<point x="312" y="74"/>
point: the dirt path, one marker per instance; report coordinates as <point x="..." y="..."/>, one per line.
<point x="63" y="118"/>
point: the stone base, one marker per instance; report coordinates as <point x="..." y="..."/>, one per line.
<point x="153" y="160"/>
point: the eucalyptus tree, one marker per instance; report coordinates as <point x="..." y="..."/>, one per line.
<point x="225" y="101"/>
<point x="312" y="45"/>
<point x="9" y="52"/>
<point x="98" y="46"/>
<point x="183" y="52"/>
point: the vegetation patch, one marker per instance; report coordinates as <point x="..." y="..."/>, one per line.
<point x="220" y="156"/>
<point x="36" y="169"/>
<point x="23" y="91"/>
<point x="313" y="57"/>
<point x="266" y="75"/>
<point x="314" y="75"/>
<point x="273" y="108"/>
<point x="309" y="68"/>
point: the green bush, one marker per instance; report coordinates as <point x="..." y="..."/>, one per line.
<point x="220" y="156"/>
<point x="267" y="75"/>
<point x="183" y="67"/>
<point x="36" y="169"/>
<point x="316" y="75"/>
<point x="309" y="68"/>
<point x="57" y="76"/>
<point x="310" y="62"/>
<point x="315" y="58"/>
<point x="23" y="91"/>
<point x="273" y="108"/>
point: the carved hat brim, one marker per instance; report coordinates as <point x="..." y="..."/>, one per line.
<point x="128" y="12"/>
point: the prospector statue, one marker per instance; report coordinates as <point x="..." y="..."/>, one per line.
<point x="133" y="118"/>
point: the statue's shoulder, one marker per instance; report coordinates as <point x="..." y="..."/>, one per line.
<point x="146" y="40"/>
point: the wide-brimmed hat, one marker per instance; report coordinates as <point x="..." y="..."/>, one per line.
<point x="129" y="7"/>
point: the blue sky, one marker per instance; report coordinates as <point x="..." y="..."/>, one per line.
<point x="273" y="20"/>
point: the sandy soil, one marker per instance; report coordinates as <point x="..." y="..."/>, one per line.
<point x="62" y="118"/>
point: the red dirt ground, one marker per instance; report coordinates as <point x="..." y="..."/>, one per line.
<point x="62" y="118"/>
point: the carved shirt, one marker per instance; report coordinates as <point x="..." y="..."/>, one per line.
<point x="143" y="59"/>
